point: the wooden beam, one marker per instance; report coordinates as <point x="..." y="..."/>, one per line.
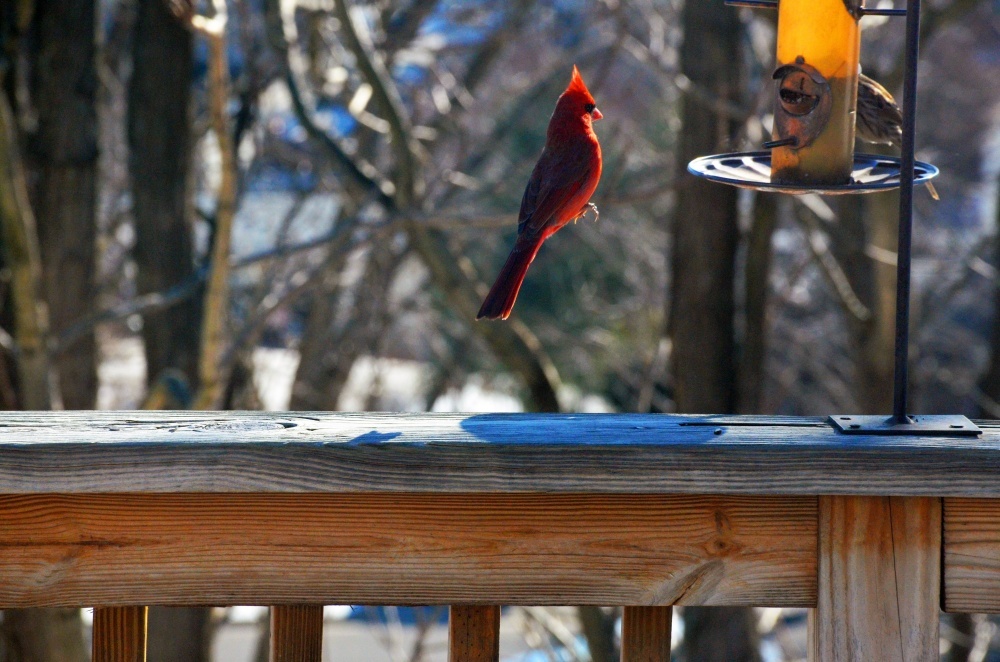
<point x="534" y="549"/>
<point x="296" y="633"/>
<point x="879" y="580"/>
<point x="646" y="634"/>
<point x="474" y="633"/>
<point x="167" y="452"/>
<point x="972" y="555"/>
<point x="119" y="634"/>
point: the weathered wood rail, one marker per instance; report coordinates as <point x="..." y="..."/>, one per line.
<point x="122" y="510"/>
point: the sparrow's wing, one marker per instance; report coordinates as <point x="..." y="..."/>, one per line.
<point x="872" y="92"/>
<point x="558" y="177"/>
<point x="879" y="119"/>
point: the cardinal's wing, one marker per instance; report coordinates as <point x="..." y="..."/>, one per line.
<point x="557" y="178"/>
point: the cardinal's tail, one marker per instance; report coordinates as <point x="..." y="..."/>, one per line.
<point x="500" y="301"/>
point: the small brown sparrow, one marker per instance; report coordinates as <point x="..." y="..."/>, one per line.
<point x="879" y="119"/>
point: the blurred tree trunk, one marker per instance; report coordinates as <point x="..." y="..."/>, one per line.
<point x="29" y="635"/>
<point x="720" y="633"/>
<point x="864" y="242"/>
<point x="989" y="383"/>
<point x="876" y="362"/>
<point x="44" y="635"/>
<point x="756" y="285"/>
<point x="21" y="255"/>
<point x="215" y="304"/>
<point x="322" y="373"/>
<point x="65" y="151"/>
<point x="702" y="304"/>
<point x="599" y="629"/>
<point x="179" y="634"/>
<point x="159" y="137"/>
<point x="159" y="141"/>
<point x="705" y="232"/>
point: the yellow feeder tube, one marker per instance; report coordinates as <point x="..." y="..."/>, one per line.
<point x="825" y="37"/>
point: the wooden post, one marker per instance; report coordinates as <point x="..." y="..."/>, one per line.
<point x="646" y="634"/>
<point x="119" y="634"/>
<point x="296" y="633"/>
<point x="879" y="580"/>
<point x="474" y="634"/>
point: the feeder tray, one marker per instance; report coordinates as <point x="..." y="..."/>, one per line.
<point x="752" y="170"/>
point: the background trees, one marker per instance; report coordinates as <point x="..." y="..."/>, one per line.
<point x="372" y="156"/>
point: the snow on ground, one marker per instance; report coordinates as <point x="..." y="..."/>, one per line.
<point x="399" y="384"/>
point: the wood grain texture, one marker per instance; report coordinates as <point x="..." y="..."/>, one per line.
<point x="164" y="452"/>
<point x="119" y="634"/>
<point x="972" y="555"/>
<point x="646" y="634"/>
<point x="296" y="633"/>
<point x="879" y="581"/>
<point x="916" y="543"/>
<point x="533" y="549"/>
<point x="474" y="633"/>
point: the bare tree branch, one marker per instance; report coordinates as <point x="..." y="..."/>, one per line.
<point x="7" y="342"/>
<point x="932" y="19"/>
<point x="403" y="26"/>
<point x="491" y="48"/>
<point x="301" y="283"/>
<point x="556" y="629"/>
<point x="216" y="303"/>
<point x="187" y="288"/>
<point x="707" y="98"/>
<point x="360" y="173"/>
<point x="137" y="305"/>
<point x="387" y="97"/>
<point x="830" y="267"/>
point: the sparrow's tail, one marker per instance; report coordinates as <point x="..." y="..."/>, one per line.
<point x="500" y="301"/>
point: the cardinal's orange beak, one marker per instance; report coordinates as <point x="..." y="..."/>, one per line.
<point x="596" y="114"/>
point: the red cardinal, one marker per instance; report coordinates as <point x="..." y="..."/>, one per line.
<point x="558" y="192"/>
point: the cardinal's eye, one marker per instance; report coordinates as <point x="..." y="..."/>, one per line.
<point x="590" y="107"/>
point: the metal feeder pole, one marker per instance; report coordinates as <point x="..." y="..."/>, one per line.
<point x="900" y="423"/>
<point x="903" y="253"/>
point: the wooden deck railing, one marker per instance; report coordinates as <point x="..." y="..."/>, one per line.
<point x="122" y="510"/>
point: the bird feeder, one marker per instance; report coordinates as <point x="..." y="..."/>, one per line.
<point x="819" y="45"/>
<point x="812" y="151"/>
<point x="815" y="99"/>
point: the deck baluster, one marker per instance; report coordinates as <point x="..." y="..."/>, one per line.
<point x="119" y="634"/>
<point x="474" y="634"/>
<point x="296" y="633"/>
<point x="646" y="634"/>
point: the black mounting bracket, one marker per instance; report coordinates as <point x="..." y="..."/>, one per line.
<point x="923" y="426"/>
